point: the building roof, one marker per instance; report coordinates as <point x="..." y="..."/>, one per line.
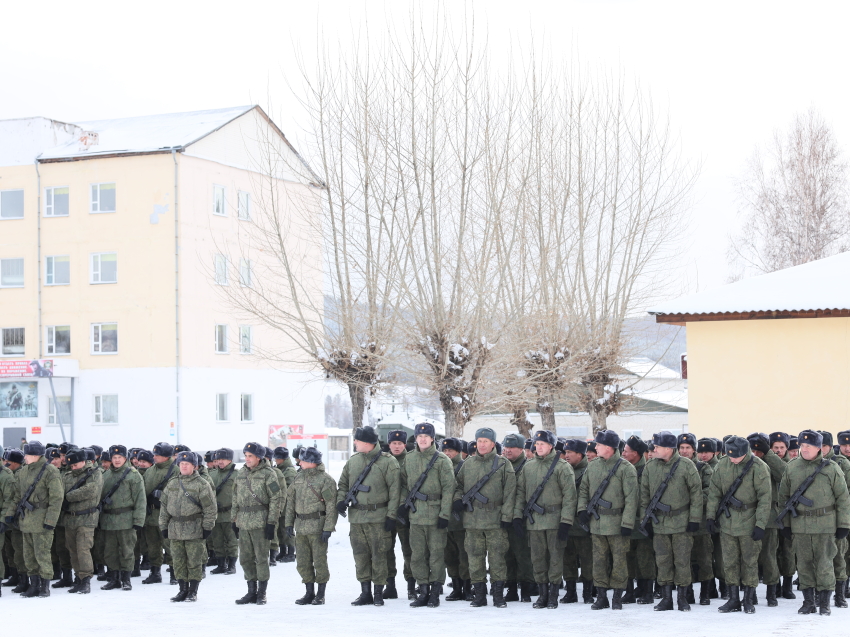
<point x="648" y="368"/>
<point x="817" y="287"/>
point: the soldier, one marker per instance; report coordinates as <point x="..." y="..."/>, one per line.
<point x="144" y="461"/>
<point x="518" y="558"/>
<point x="59" y="555"/>
<point x="457" y="561"/>
<point x="8" y="497"/>
<point x="529" y="448"/>
<point x="284" y="465"/>
<point x="707" y="452"/>
<point x="310" y="517"/>
<point x="546" y="484"/>
<point x="122" y="516"/>
<point x="274" y="545"/>
<point x="741" y="522"/>
<point x="779" y="441"/>
<point x="83" y="485"/>
<point x="607" y="505"/>
<point x="225" y="544"/>
<point x="760" y="446"/>
<point x="487" y="516"/>
<point x="793" y="448"/>
<point x="373" y="517"/>
<point x="14" y="460"/>
<point x="187" y="516"/>
<point x="671" y="491"/>
<point x="396" y="441"/>
<point x="579" y="549"/>
<point x="816" y="527"/>
<point x="703" y="550"/>
<point x="156" y="478"/>
<point x="591" y="451"/>
<point x="839" y="564"/>
<point x="844" y="448"/>
<point x="641" y="556"/>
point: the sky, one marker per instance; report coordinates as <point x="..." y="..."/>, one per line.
<point x="728" y="73"/>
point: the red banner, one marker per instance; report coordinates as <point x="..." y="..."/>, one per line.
<point x="26" y="369"/>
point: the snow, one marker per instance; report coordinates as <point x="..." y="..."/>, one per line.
<point x="819" y="285"/>
<point x="648" y="368"/>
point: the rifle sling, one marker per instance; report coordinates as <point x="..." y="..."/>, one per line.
<point x="604" y="484"/>
<point x="661" y="487"/>
<point x="226" y="478"/>
<point x="115" y="487"/>
<point x="186" y="493"/>
<point x="733" y="488"/>
<point x="421" y="480"/>
<point x="28" y="494"/>
<point x="476" y="488"/>
<point x="361" y="477"/>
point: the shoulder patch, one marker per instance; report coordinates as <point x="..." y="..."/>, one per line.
<point x="274" y="487"/>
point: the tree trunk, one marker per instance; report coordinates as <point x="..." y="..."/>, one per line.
<point x="521" y="422"/>
<point x="546" y="409"/>
<point x="453" y="413"/>
<point x="358" y="404"/>
<point x="598" y="413"/>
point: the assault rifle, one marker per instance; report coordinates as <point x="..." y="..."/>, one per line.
<point x="656" y="503"/>
<point x="531" y="506"/>
<point x="25" y="505"/>
<point x="798" y="497"/>
<point x="475" y="492"/>
<point x="597" y="501"/>
<point x="729" y="498"/>
<point x="414" y="495"/>
<point x="358" y="486"/>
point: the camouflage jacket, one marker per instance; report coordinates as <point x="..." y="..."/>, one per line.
<point x="754" y="493"/>
<point x="622" y="492"/>
<point x="86" y="497"/>
<point x="828" y="491"/>
<point x="558" y="497"/>
<point x="683" y="494"/>
<point x="311" y="502"/>
<point x="706" y="471"/>
<point x="456" y="525"/>
<point x="579" y="471"/>
<point x="439" y="486"/>
<point x="224" y="495"/>
<point x="288" y="470"/>
<point x="153" y="477"/>
<point x="777" y="470"/>
<point x="185" y="519"/>
<point x="128" y="502"/>
<point x="47" y="497"/>
<point x="500" y="491"/>
<point x="639" y="469"/>
<point x="383" y="497"/>
<point x="204" y="473"/>
<point x="257" y="497"/>
<point x="8" y="492"/>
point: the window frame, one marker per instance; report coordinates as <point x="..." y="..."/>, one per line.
<point x="92" y="255"/>
<point x="23" y="208"/>
<point x="245" y="265"/>
<point x="95" y="411"/>
<point x="91" y="198"/>
<point x="250" y="330"/>
<point x="225" y="341"/>
<point x="242" y="398"/>
<point x="223" y="189"/>
<point x="23" y="273"/>
<point x="53" y="414"/>
<point x="47" y="269"/>
<point x="51" y="343"/>
<point x="3" y="339"/>
<point x="100" y="340"/>
<point x="243" y="214"/>
<point x="226" y="407"/>
<point x="226" y="278"/>
<point x="50" y="189"/>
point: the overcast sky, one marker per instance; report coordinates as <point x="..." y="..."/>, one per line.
<point x="728" y="72"/>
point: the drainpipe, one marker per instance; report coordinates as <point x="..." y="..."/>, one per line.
<point x="38" y="242"/>
<point x="176" y="306"/>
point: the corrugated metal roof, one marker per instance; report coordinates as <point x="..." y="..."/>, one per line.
<point x="819" y="285"/>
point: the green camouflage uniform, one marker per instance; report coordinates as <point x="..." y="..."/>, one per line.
<point x="457" y="561"/>
<point x="118" y="519"/>
<point x="838" y="561"/>
<point x="186" y="521"/>
<point x="223" y="538"/>
<point x="257" y="501"/>
<point x="289" y="472"/>
<point x="59" y="553"/>
<point x="80" y="516"/>
<point x="274" y="544"/>
<point x="47" y="499"/>
<point x="403" y="533"/>
<point x="641" y="554"/>
<point x="770" y="543"/>
<point x="155" y="476"/>
<point x="311" y="510"/>
<point x="702" y="553"/>
<point x="610" y="564"/>
<point x="486" y="540"/>
<point x="579" y="549"/>
<point x="8" y="497"/>
<point x="518" y="557"/>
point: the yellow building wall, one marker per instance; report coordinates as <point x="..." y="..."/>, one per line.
<point x="768" y="375"/>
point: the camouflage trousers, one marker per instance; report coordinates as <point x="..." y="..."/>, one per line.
<point x="673" y="558"/>
<point x="254" y="554"/>
<point x="702" y="555"/>
<point x="838" y="563"/>
<point x="224" y="540"/>
<point x="283" y="538"/>
<point x="740" y="560"/>
<point x="717" y="556"/>
<point x="37" y="554"/>
<point x="369" y="544"/>
<point x="118" y="549"/>
<point x="403" y="534"/>
<point x="641" y="559"/>
<point x="311" y="558"/>
<point x="79" y="542"/>
<point x="457" y="561"/>
<point x="188" y="558"/>
<point x="578" y="552"/>
<point x="141" y="547"/>
<point x="767" y="557"/>
<point x="610" y="551"/>
<point x="3" y="555"/>
<point x="428" y="558"/>
<point x="483" y="547"/>
<point x="274" y="543"/>
<point x="59" y="552"/>
<point x="785" y="559"/>
<point x="547" y="556"/>
<point x="518" y="559"/>
<point x="155" y="543"/>
<point x="814" y="553"/>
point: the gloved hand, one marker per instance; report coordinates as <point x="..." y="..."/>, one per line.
<point x="401" y="513"/>
<point x="840" y="533"/>
<point x="47" y="527"/>
<point x="457" y="507"/>
<point x="290" y="531"/>
<point x="519" y="527"/>
<point x="506" y="525"/>
<point x="2" y="527"/>
<point x="650" y="532"/>
<point x="206" y="533"/>
<point x="9" y="520"/>
<point x="341" y="508"/>
<point x="326" y="535"/>
<point x="692" y="527"/>
<point x="235" y="529"/>
<point x="584" y="518"/>
<point x="136" y="527"/>
<point x="443" y="523"/>
<point x="786" y="533"/>
<point x="389" y="525"/>
<point x="625" y="532"/>
<point x="164" y="533"/>
<point x="269" y="532"/>
<point x="758" y="534"/>
<point x="711" y="525"/>
<point x="563" y="531"/>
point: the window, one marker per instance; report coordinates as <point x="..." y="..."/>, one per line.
<point x="13" y="341"/>
<point x="243" y="201"/>
<point x="104" y="267"/>
<point x="221" y="407"/>
<point x="220" y="269"/>
<point x="11" y="273"/>
<point x="58" y="339"/>
<point x="104" y="338"/>
<point x="221" y="339"/>
<point x="64" y="410"/>
<point x="245" y="273"/>
<point x="244" y="339"/>
<point x="247" y="401"/>
<point x="106" y="409"/>
<point x="57" y="271"/>
<point x="11" y="204"/>
<point x="102" y="198"/>
<point x="219" y="201"/>
<point x="56" y="202"/>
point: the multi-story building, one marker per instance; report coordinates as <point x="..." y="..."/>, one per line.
<point x="116" y="240"/>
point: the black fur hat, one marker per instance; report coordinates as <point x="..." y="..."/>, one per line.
<point x="224" y="454"/>
<point x="75" y="455"/>
<point x="736" y="447"/>
<point x="637" y="445"/>
<point x="34" y="448"/>
<point x="118" y="450"/>
<point x="517" y="441"/>
<point x="541" y="435"/>
<point x="471" y="447"/>
<point x="311" y="454"/>
<point x="65" y="446"/>
<point x="91" y="456"/>
<point x="664" y="439"/>
<point x="780" y="436"/>
<point x="185" y="456"/>
<point x="806" y="437"/>
<point x="451" y="443"/>
<point x="255" y="448"/>
<point x="591" y="446"/>
<point x="759" y="442"/>
<point x="577" y="446"/>
<point x="179" y="448"/>
<point x="97" y="449"/>
<point x="269" y="453"/>
<point x="296" y="453"/>
<point x="14" y="455"/>
<point x="687" y="439"/>
<point x="163" y="449"/>
<point x="608" y="438"/>
<point x="529" y="444"/>
<point x="52" y="454"/>
<point x="397" y="436"/>
<point x="844" y="437"/>
<point x="424" y="428"/>
<point x="827" y="438"/>
<point x="498" y="448"/>
<point x="366" y="434"/>
<point x="145" y="455"/>
<point x="105" y="457"/>
<point x="706" y="445"/>
<point x="281" y="453"/>
<point x="793" y="443"/>
<point x="208" y="456"/>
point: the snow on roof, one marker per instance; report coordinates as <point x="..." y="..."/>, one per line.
<point x="148" y="133"/>
<point x="819" y="285"/>
<point x="648" y="368"/>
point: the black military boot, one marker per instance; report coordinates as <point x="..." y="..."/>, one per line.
<point x="100" y="572"/>
<point x="658" y="594"/>
<point x="221" y="566"/>
<point x="172" y="580"/>
<point x="126" y="585"/>
<point x="512" y="595"/>
<point x="14" y="579"/>
<point x="499" y="600"/>
<point x="113" y="582"/>
<point x="552" y="602"/>
<point x="183" y="592"/>
<point x="705" y="593"/>
<point x="261" y="593"/>
<point x="66" y="581"/>
<point x="44" y="591"/>
<point x="390" y="591"/>
<point x="724" y="591"/>
<point x="434" y="595"/>
<point x="212" y="560"/>
<point x="145" y="563"/>
<point x="840" y="600"/>
<point x="733" y="601"/>
<point x="85" y="586"/>
<point x="457" y="591"/>
<point x="193" y="591"/>
<point x="273" y="553"/>
<point x="320" y="595"/>
<point x="689" y="589"/>
<point x="747" y="603"/>
<point x="823" y="602"/>
<point x="231" y="566"/>
<point x="57" y="571"/>
<point x="309" y="595"/>
<point x="34" y="583"/>
<point x="629" y="597"/>
<point x="154" y="577"/>
<point x="23" y="584"/>
<point x="617" y="599"/>
<point x="666" y="602"/>
<point x="468" y="591"/>
<point x="251" y="596"/>
<point x="525" y="591"/>
<point x="787" y="592"/>
<point x="712" y="593"/>
<point x="378" y="595"/>
<point x="136" y="572"/>
<point x="543" y="600"/>
<point x="411" y="589"/>
<point x="601" y="599"/>
<point x="755" y="597"/>
<point x="586" y="591"/>
<point x="365" y="598"/>
<point x="645" y="595"/>
<point x="570" y="595"/>
<point x="771" y="595"/>
<point x="479" y="595"/>
<point x="808" y="606"/>
<point x="422" y="599"/>
<point x="682" y="598"/>
<point x="290" y="557"/>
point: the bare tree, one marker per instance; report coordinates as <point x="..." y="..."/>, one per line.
<point x="794" y="200"/>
